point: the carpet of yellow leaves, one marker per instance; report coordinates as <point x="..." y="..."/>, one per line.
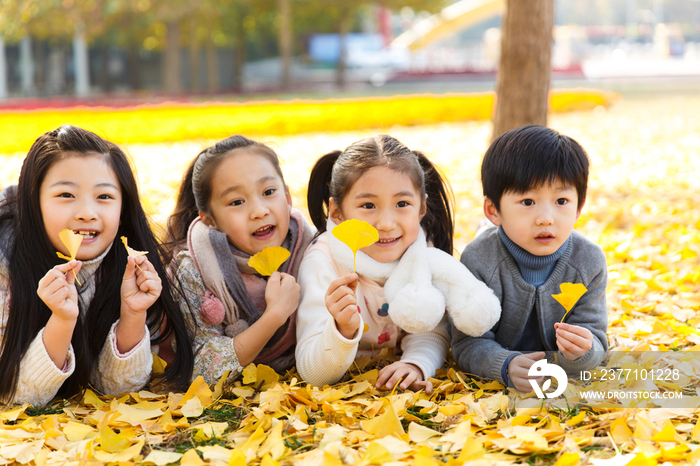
<point x="179" y="122"/>
<point x="642" y="210"/>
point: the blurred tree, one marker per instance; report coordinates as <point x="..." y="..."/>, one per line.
<point x="343" y="14"/>
<point x="525" y="65"/>
<point x="60" y="21"/>
<point x="285" y="41"/>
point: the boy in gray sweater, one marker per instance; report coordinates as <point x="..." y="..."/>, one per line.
<point x="534" y="182"/>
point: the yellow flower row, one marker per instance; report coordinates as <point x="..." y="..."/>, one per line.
<point x="178" y="122"/>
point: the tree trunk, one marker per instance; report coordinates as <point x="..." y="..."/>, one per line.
<point x="26" y="66"/>
<point x="525" y="66"/>
<point x="105" y="77"/>
<point x="343" y="28"/>
<point x="195" y="51"/>
<point x="239" y="53"/>
<point x="285" y="42"/>
<point x="3" y="70"/>
<point x="40" y="71"/>
<point x="212" y="67"/>
<point x="81" y="62"/>
<point x="134" y="65"/>
<point x="172" y="78"/>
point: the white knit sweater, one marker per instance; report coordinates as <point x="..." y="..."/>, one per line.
<point x="40" y="379"/>
<point x="323" y="354"/>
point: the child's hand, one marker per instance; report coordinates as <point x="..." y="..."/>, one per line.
<point x="518" y="368"/>
<point x="409" y="375"/>
<point x="141" y="286"/>
<point x="342" y="304"/>
<point x="281" y="296"/>
<point x="572" y="340"/>
<point x="57" y="290"/>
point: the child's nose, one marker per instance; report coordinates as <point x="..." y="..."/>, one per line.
<point x="258" y="208"/>
<point x="545" y="216"/>
<point x="386" y="222"/>
<point x="86" y="212"/>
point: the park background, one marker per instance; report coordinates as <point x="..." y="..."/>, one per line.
<point x="166" y="79"/>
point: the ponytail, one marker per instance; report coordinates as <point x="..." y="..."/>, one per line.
<point x="185" y="212"/>
<point x="319" y="192"/>
<point x="438" y="221"/>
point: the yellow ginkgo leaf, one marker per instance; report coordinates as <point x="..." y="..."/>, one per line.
<point x="71" y="241"/>
<point x="570" y="294"/>
<point x="133" y="252"/>
<point x="356" y="234"/>
<point x="267" y="261"/>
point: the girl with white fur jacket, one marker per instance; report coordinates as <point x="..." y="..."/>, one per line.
<point x="403" y="283"/>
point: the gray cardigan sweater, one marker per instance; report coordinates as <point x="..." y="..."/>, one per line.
<point x="489" y="260"/>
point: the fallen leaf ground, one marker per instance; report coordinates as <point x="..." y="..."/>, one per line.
<point x="641" y="209"/>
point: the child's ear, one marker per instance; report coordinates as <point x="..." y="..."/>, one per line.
<point x="424" y="207"/>
<point x="208" y="220"/>
<point x="289" y="197"/>
<point x="578" y="214"/>
<point x="491" y="212"/>
<point x="334" y="212"/>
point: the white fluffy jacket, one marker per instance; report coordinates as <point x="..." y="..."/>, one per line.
<point x="423" y="284"/>
<point x="418" y="288"/>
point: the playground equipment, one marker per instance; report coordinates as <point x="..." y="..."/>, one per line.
<point x="454" y="18"/>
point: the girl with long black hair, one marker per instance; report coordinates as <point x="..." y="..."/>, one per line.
<point x="65" y="325"/>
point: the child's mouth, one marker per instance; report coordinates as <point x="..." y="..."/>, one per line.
<point x="544" y="238"/>
<point x="387" y="242"/>
<point x="265" y="232"/>
<point x="86" y="234"/>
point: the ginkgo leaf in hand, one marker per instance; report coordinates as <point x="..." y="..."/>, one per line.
<point x="72" y="242"/>
<point x="356" y="234"/>
<point x="569" y="296"/>
<point x="267" y="261"/>
<point x="133" y="252"/>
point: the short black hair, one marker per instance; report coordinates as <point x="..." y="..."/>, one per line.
<point x="528" y="157"/>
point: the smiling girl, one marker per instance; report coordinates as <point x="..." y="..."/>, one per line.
<point x="404" y="281"/>
<point x="232" y="204"/>
<point x="58" y="335"/>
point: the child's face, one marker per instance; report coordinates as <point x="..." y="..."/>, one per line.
<point x="249" y="202"/>
<point x="81" y="193"/>
<point x="387" y="200"/>
<point x="539" y="220"/>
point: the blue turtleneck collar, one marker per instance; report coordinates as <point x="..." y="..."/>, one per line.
<point x="534" y="269"/>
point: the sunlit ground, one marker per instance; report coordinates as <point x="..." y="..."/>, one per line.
<point x="641" y="208"/>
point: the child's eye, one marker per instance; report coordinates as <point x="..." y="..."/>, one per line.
<point x="527" y="202"/>
<point x="65" y="195"/>
<point x="269" y="192"/>
<point x="237" y="202"/>
<point x="104" y="197"/>
<point x="367" y="205"/>
<point x="562" y="201"/>
<point x="402" y="204"/>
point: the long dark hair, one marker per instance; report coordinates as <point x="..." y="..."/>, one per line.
<point x="195" y="188"/>
<point x="335" y="173"/>
<point x="31" y="255"/>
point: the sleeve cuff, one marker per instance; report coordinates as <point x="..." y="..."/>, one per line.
<point x="38" y="355"/>
<point x="332" y="329"/>
<point x="504" y="369"/>
<point x="113" y="338"/>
